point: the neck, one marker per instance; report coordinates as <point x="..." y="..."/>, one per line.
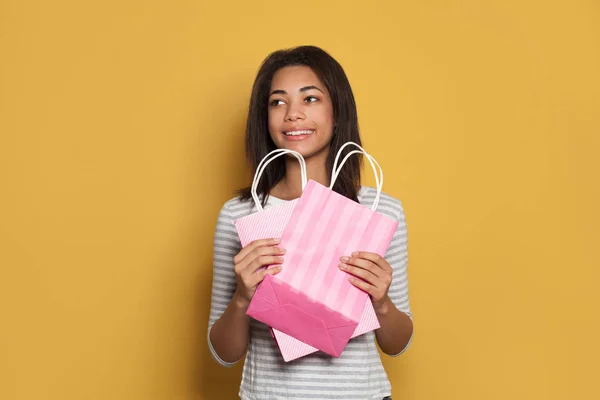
<point x="291" y="186"/>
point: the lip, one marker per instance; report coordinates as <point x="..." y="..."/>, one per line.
<point x="295" y="138"/>
<point x="296" y="129"/>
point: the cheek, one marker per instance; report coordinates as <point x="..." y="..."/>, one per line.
<point x="326" y="119"/>
<point x="271" y="122"/>
<point x="275" y="117"/>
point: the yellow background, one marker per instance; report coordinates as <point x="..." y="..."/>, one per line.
<point x="122" y="134"/>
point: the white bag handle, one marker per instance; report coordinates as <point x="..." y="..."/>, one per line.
<point x="263" y="164"/>
<point x="378" y="177"/>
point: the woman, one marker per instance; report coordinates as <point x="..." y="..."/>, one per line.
<point x="301" y="100"/>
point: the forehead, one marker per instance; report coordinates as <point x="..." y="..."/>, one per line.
<point x="295" y="77"/>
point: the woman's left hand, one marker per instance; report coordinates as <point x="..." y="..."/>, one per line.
<point x="374" y="272"/>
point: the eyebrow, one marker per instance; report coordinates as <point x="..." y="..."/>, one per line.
<point x="303" y="89"/>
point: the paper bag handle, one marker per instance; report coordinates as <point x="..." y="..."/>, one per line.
<point x="263" y="164"/>
<point x="372" y="161"/>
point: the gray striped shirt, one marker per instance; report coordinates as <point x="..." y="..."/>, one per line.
<point x="357" y="374"/>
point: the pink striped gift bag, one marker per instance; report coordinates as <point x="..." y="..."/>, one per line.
<point x="267" y="223"/>
<point x="292" y="348"/>
<point x="271" y="223"/>
<point x="311" y="299"/>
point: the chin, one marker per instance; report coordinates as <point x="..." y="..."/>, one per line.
<point x="307" y="145"/>
<point x="307" y="150"/>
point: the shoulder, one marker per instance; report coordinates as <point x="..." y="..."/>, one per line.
<point x="226" y="235"/>
<point x="388" y="205"/>
<point x="235" y="208"/>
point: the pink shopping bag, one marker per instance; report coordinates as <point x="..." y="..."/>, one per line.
<point x="311" y="299"/>
<point x="292" y="348"/>
<point x="271" y="223"/>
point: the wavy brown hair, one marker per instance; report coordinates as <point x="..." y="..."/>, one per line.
<point x="259" y="142"/>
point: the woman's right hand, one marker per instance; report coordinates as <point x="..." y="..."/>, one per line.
<point x="249" y="261"/>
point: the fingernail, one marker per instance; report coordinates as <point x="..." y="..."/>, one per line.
<point x="342" y="266"/>
<point x="344" y="259"/>
<point x="355" y="254"/>
<point x="280" y="259"/>
<point x="276" y="240"/>
<point x="282" y="251"/>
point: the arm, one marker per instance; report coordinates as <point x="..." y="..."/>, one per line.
<point x="395" y="318"/>
<point x="230" y="333"/>
<point x="396" y="330"/>
<point x="227" y="345"/>
<point x="235" y="279"/>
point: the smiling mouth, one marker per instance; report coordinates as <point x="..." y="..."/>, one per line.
<point x="299" y="133"/>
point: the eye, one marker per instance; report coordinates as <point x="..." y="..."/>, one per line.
<point x="276" y="102"/>
<point x="311" y="99"/>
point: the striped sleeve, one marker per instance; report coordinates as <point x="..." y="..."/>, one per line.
<point x="397" y="257"/>
<point x="226" y="245"/>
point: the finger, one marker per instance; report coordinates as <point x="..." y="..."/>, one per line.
<point x="252" y="246"/>
<point x="262" y="261"/>
<point x="359" y="272"/>
<point x="374" y="258"/>
<point x="266" y="251"/>
<point x="258" y="252"/>
<point x="363" y="264"/>
<point x="272" y="270"/>
<point x="255" y="279"/>
<point x="364" y="286"/>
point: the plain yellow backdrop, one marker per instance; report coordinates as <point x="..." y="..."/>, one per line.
<point x="121" y="129"/>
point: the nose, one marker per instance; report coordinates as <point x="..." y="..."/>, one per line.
<point x="294" y="113"/>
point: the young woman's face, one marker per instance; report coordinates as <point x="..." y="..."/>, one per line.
<point x="300" y="112"/>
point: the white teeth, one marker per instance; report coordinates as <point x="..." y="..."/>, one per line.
<point x="297" y="133"/>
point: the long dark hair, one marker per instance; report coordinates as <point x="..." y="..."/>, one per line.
<point x="259" y="142"/>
